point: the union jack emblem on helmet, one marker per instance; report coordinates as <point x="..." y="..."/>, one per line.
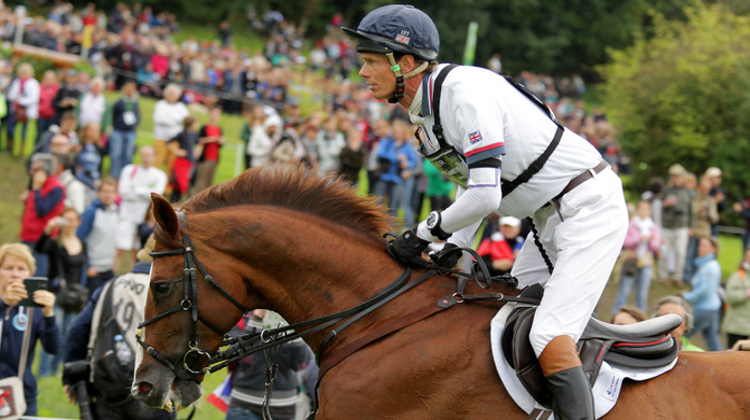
<point x="403" y="37"/>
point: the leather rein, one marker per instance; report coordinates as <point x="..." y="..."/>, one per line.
<point x="238" y="347"/>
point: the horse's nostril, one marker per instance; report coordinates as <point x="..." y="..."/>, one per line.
<point x="144" y="388"/>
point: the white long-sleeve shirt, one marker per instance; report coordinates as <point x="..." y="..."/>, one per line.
<point x="169" y="119"/>
<point x="135" y="187"/>
<point x="29" y="99"/>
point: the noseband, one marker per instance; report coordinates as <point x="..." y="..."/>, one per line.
<point x="189" y="303"/>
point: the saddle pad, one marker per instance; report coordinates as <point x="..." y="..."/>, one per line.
<point x="606" y="389"/>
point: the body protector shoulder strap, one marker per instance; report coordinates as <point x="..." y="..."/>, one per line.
<point x="453" y="164"/>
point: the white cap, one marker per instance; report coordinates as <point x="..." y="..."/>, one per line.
<point x="510" y="221"/>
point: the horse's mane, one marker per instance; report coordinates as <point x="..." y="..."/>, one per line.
<point x="297" y="188"/>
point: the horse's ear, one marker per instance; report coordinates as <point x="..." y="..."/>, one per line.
<point x="165" y="215"/>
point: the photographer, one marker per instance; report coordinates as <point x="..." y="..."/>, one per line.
<point x="17" y="263"/>
<point x="67" y="256"/>
<point x="103" y="335"/>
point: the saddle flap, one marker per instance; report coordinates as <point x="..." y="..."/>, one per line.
<point x="528" y="369"/>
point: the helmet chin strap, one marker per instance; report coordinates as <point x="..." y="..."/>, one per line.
<point x="400" y="87"/>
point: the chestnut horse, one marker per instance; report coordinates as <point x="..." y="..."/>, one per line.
<point x="306" y="246"/>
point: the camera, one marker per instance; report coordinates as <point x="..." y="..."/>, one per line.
<point x="77" y="374"/>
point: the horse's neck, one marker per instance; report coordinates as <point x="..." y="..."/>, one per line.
<point x="303" y="267"/>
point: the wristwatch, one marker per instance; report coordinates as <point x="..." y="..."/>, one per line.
<point x="433" y="224"/>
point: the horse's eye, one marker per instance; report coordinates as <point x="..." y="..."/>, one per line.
<point x="161" y="289"/>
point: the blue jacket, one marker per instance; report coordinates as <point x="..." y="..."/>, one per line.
<point x="43" y="329"/>
<point x="705" y="293"/>
<point x="390" y="151"/>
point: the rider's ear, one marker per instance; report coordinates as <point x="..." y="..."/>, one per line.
<point x="165" y="215"/>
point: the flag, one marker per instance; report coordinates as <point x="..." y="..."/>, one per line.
<point x="221" y="396"/>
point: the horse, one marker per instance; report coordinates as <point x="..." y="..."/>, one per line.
<point x="305" y="246"/>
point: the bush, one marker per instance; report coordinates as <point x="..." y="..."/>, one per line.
<point x="681" y="97"/>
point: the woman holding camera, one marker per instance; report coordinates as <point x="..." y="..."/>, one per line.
<point x="16" y="264"/>
<point x="67" y="256"/>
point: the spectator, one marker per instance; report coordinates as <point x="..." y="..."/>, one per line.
<point x="126" y="116"/>
<point x="183" y="146"/>
<point x="76" y="192"/>
<point x="641" y="242"/>
<point x="93" y="107"/>
<point x="137" y="182"/>
<point x="249" y="375"/>
<point x="743" y="208"/>
<point x="67" y="256"/>
<point x="737" y="319"/>
<point x="654" y="196"/>
<point x="291" y="147"/>
<point x="627" y="315"/>
<point x="110" y="303"/>
<point x="225" y="33"/>
<point x="258" y="133"/>
<point x="89" y="160"/>
<point x="398" y="159"/>
<point x="676" y="219"/>
<point x="328" y="146"/>
<point x="439" y="188"/>
<point x="717" y="192"/>
<point x="169" y="117"/>
<point x="677" y="305"/>
<point x="211" y="138"/>
<point x="66" y="128"/>
<point x="23" y="97"/>
<point x="705" y="214"/>
<point x="66" y="99"/>
<point x="47" y="93"/>
<point x="44" y="201"/>
<point x="17" y="263"/>
<point x="97" y="224"/>
<point x="500" y="250"/>
<point x="704" y="295"/>
<point x="352" y="156"/>
<point x="495" y="64"/>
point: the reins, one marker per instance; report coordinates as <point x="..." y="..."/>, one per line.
<point x="238" y="347"/>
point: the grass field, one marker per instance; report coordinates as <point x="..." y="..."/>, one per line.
<point x="52" y="402"/>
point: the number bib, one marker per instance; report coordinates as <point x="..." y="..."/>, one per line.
<point x="452" y="165"/>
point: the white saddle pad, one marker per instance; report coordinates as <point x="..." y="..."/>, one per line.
<point x="606" y="389"/>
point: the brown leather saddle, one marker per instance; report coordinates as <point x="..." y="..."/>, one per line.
<point x="646" y="344"/>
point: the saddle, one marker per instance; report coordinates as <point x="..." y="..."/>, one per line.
<point x="646" y="344"/>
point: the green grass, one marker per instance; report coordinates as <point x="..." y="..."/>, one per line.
<point x="243" y="37"/>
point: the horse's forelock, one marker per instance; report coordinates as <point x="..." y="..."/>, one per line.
<point x="296" y="188"/>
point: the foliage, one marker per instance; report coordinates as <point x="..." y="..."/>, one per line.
<point x="682" y="96"/>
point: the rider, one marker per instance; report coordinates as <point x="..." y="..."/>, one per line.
<point x="491" y="131"/>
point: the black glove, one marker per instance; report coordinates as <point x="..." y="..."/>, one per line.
<point x="446" y="258"/>
<point x="408" y="248"/>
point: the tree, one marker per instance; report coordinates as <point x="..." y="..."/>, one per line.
<point x="681" y="96"/>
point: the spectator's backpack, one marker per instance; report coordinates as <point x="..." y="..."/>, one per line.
<point x="118" y="313"/>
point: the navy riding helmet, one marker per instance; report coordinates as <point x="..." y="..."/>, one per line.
<point x="398" y="28"/>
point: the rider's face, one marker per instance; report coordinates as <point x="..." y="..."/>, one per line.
<point x="378" y="75"/>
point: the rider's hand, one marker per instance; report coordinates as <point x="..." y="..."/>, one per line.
<point x="408" y="248"/>
<point x="444" y="257"/>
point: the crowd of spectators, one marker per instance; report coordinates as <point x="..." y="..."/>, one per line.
<point x="83" y="212"/>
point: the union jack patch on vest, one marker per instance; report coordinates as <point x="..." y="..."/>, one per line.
<point x="475" y="137"/>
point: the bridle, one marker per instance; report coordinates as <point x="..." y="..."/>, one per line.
<point x="189" y="303"/>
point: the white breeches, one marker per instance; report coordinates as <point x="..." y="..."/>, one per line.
<point x="583" y="246"/>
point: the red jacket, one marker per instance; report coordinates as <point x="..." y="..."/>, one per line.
<point x="46" y="94"/>
<point x="41" y="206"/>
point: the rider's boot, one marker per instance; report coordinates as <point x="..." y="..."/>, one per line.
<point x="563" y="371"/>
